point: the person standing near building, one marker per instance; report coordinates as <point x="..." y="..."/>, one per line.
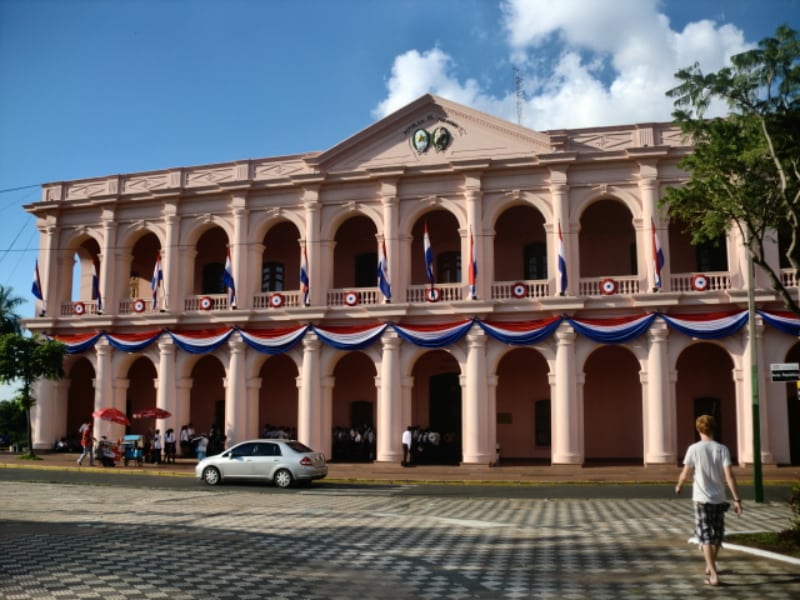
<point x="407" y="443"/>
<point x="155" y="454"/>
<point x="709" y="463"/>
<point x="87" y="443"/>
<point x="169" y="446"/>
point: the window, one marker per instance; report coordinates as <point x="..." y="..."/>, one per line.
<point x="542" y="422"/>
<point x="448" y="267"/>
<point x="535" y="266"/>
<point x="267" y="450"/>
<point x="366" y="270"/>
<point x="712" y="256"/>
<point x="212" y="279"/>
<point x="272" y="277"/>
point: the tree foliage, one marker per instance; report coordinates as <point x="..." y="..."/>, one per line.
<point x="9" y="319"/>
<point x="745" y="168"/>
<point x="27" y="359"/>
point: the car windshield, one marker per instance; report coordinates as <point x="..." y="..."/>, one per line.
<point x="298" y="447"/>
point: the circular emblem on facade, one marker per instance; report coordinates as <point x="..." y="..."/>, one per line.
<point x="433" y="295"/>
<point x="79" y="308"/>
<point x="276" y="300"/>
<point x="520" y="290"/>
<point x="421" y="140"/>
<point x="139" y="305"/>
<point x="351" y="298"/>
<point x="206" y="303"/>
<point x="441" y="138"/>
<point x="608" y="287"/>
<point x="699" y="282"/>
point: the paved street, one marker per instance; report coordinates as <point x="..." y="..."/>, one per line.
<point x="331" y="541"/>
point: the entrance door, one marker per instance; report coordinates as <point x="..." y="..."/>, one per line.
<point x="793" y="413"/>
<point x="445" y="416"/>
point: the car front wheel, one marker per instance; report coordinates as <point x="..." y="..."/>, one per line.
<point x="283" y="479"/>
<point x="211" y="476"/>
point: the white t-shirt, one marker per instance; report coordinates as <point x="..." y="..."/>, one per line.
<point x="406" y="438"/>
<point x="708" y="459"/>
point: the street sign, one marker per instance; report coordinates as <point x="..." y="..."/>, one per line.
<point x="785" y="371"/>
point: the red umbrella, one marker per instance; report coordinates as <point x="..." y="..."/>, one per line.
<point x="111" y="414"/>
<point x="151" y="413"/>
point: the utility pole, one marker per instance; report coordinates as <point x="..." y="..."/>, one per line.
<point x="758" y="484"/>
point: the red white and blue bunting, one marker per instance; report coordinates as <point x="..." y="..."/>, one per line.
<point x="618" y="330"/>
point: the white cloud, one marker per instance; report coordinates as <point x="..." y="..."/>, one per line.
<point x="584" y="63"/>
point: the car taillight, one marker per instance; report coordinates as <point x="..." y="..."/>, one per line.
<point x="305" y="461"/>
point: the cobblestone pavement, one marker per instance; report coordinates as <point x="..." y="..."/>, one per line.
<point x="77" y="542"/>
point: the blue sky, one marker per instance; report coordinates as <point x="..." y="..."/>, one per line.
<point x="98" y="87"/>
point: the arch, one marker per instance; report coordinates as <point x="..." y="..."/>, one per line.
<point x="354" y="407"/>
<point x="278" y="396"/>
<point x="80" y="394"/>
<point x="612" y="406"/>
<point x="409" y="220"/>
<point x="143" y="255"/>
<point x="523" y="424"/>
<point x="582" y="199"/>
<point x="443" y="231"/>
<point x="355" y="253"/>
<point x="280" y="257"/>
<point x="207" y="395"/>
<point x="607" y="239"/>
<point x="260" y="228"/>
<point x="495" y="205"/>
<point x="193" y="230"/>
<point x="705" y="384"/>
<point x="516" y="229"/>
<point x="141" y="392"/>
<point x="436" y="405"/>
<point x="337" y="216"/>
<point x="209" y="261"/>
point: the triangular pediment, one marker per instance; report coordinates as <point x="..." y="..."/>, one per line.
<point x="428" y="132"/>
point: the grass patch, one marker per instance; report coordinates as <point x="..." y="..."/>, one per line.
<point x="780" y="543"/>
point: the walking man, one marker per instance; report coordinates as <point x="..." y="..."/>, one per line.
<point x="407" y="442"/>
<point x="710" y="464"/>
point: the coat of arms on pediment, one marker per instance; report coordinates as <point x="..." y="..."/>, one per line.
<point x="422" y="140"/>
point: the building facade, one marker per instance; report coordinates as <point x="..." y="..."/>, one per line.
<point x="442" y="269"/>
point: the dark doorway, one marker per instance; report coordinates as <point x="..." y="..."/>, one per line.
<point x="360" y="413"/>
<point x="709" y="406"/>
<point x="793" y="414"/>
<point x="445" y="418"/>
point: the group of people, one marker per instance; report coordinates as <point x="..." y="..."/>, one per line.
<point x="353" y="444"/>
<point x="425" y="446"/>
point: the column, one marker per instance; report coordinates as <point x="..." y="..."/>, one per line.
<point x="166" y="396"/>
<point x="183" y="402"/>
<point x="308" y="419"/>
<point x="659" y="412"/>
<point x="648" y="189"/>
<point x="559" y="191"/>
<point x="49" y="414"/>
<point x="312" y="245"/>
<point x="491" y="414"/>
<point x="251" y="416"/>
<point x="239" y="252"/>
<point x="325" y="431"/>
<point x="406" y="389"/>
<point x="746" y="410"/>
<point x="235" y="393"/>
<point x="108" y="290"/>
<point x="474" y="196"/>
<point x="474" y="431"/>
<point x="566" y="447"/>
<point x="391" y="221"/>
<point x="170" y="257"/>
<point x="49" y="263"/>
<point x="103" y="390"/>
<point x="390" y="421"/>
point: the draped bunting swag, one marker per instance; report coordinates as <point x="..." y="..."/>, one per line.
<point x="277" y="340"/>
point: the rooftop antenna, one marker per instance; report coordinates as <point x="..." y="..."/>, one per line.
<point x="520" y="95"/>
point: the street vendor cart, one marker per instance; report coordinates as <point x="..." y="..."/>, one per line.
<point x="133" y="449"/>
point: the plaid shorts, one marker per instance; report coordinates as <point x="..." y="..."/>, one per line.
<point x="709" y="522"/>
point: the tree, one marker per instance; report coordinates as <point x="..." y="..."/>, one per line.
<point x="27" y="359"/>
<point x="9" y="320"/>
<point x="745" y="168"/>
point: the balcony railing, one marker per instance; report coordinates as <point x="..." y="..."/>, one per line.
<point x="448" y="292"/>
<point x="354" y="296"/>
<point x="516" y="290"/>
<point x="277" y="300"/>
<point x="205" y="302"/>
<point x="131" y="306"/>
<point x="79" y="308"/>
<point x="700" y="282"/>
<point x="624" y="285"/>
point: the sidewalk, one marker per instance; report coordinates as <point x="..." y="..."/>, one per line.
<point x="516" y="474"/>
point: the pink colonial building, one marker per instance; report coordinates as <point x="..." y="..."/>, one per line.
<point x="521" y="306"/>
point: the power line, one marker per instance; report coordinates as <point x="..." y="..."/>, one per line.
<point x="22" y="187"/>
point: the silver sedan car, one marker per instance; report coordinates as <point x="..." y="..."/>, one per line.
<point x="283" y="462"/>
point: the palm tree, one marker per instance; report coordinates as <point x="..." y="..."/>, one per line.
<point x="9" y="319"/>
